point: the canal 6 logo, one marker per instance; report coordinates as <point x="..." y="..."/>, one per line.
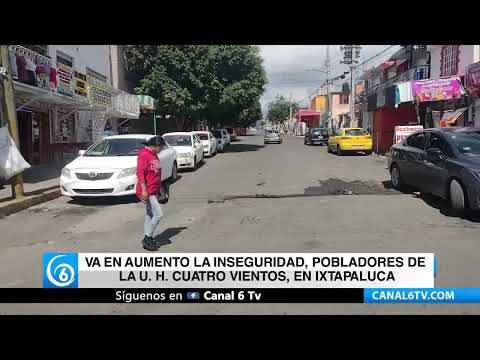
<point x="60" y="270"/>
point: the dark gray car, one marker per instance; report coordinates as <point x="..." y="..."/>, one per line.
<point x="443" y="162"/>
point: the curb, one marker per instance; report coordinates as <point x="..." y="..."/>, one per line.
<point x="13" y="206"/>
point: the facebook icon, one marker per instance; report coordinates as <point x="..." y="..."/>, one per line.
<point x="191" y="295"/>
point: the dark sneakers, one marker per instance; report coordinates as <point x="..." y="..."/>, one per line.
<point x="150" y="244"/>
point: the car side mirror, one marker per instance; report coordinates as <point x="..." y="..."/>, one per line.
<point x="81" y="152"/>
<point x="434" y="154"/>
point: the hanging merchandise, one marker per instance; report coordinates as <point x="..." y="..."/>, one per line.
<point x="31" y="67"/>
<point x="390" y="95"/>
<point x="403" y="92"/>
<point x="64" y="76"/>
<point x="436" y="116"/>
<point x="13" y="66"/>
<point x="11" y="160"/>
<point x="42" y="72"/>
<point x="21" y="68"/>
<point x="53" y="78"/>
<point x="380" y="97"/>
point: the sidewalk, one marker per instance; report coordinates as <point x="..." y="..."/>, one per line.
<point x="40" y="184"/>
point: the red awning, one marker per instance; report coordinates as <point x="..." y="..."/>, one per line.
<point x="307" y="112"/>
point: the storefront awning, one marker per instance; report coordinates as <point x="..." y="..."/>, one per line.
<point x="124" y="105"/>
<point x="451" y="117"/>
<point x="35" y="97"/>
<point x="146" y="102"/>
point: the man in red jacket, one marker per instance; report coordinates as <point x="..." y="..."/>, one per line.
<point x="149" y="179"/>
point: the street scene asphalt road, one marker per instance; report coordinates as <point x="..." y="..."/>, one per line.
<point x="253" y="198"/>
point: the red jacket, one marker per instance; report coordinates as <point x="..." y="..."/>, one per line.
<point x="149" y="172"/>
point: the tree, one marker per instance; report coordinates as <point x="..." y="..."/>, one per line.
<point x="279" y="110"/>
<point x="218" y="83"/>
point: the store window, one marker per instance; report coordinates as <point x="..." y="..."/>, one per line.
<point x="449" y="60"/>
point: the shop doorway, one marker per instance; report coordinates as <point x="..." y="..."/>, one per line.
<point x="34" y="134"/>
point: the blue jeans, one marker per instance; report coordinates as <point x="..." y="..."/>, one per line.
<point x="153" y="215"/>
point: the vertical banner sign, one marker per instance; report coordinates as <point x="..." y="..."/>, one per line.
<point x="80" y="81"/>
<point x="437" y="89"/>
<point x="65" y="76"/>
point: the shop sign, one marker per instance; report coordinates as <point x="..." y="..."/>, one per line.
<point x="437" y="89"/>
<point x="80" y="81"/>
<point x="99" y="92"/>
<point x="473" y="79"/>
<point x="64" y="79"/>
<point x="402" y="132"/>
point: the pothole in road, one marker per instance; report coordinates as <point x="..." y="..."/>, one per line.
<point x="329" y="187"/>
<point x="335" y="186"/>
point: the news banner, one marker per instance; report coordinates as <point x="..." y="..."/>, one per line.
<point x="239" y="278"/>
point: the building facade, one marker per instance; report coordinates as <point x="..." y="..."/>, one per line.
<point x="64" y="98"/>
<point x="376" y="104"/>
<point x="457" y="60"/>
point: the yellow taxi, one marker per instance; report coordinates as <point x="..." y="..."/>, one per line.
<point x="350" y="139"/>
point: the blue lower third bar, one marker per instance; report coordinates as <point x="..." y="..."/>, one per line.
<point x="422" y="296"/>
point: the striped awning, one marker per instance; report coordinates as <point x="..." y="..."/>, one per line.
<point x="146" y="102"/>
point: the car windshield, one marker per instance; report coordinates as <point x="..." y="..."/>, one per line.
<point x="203" y="136"/>
<point x="116" y="147"/>
<point x="272" y="134"/>
<point x="466" y="143"/>
<point x="356" y="132"/>
<point x="217" y="134"/>
<point x="318" y="131"/>
<point x="178" y="140"/>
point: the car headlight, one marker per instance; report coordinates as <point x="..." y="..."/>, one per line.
<point x="127" y="172"/>
<point x="66" y="173"/>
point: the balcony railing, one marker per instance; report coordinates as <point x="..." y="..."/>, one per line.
<point x="419" y="72"/>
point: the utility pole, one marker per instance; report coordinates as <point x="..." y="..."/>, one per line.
<point x="11" y="115"/>
<point x="351" y="54"/>
<point x="327" y="67"/>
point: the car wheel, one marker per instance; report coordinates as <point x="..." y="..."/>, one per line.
<point x="329" y="150"/>
<point x="339" y="150"/>
<point x="457" y="197"/>
<point x="174" y="172"/>
<point x="368" y="153"/>
<point x="396" y="178"/>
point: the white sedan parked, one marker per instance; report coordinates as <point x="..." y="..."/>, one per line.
<point x="188" y="146"/>
<point x="208" y="141"/>
<point x="108" y="167"/>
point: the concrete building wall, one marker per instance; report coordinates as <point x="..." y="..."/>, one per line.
<point x="95" y="57"/>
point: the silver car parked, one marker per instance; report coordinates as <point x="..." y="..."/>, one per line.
<point x="272" y="138"/>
